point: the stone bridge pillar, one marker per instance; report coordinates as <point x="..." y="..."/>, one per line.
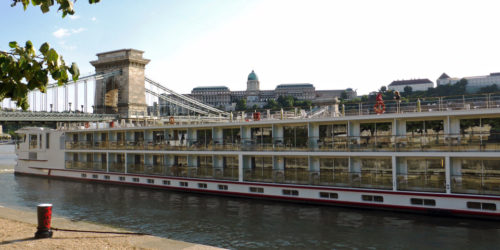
<point x="122" y="94"/>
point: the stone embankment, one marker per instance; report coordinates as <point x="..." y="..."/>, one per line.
<point x="17" y="229"/>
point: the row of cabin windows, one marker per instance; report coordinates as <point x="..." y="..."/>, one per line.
<point x="325" y="195"/>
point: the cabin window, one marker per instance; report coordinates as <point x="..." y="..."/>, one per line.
<point x="107" y="177"/>
<point x="231" y="135"/>
<point x="421" y="174"/>
<point x="222" y="187"/>
<point x="481" y="206"/>
<point x="256" y="190"/>
<point x="295" y="136"/>
<point x="166" y="182"/>
<point x="290" y="192"/>
<point x="151" y="181"/>
<point x="261" y="135"/>
<point x="202" y="185"/>
<point x="183" y="184"/>
<point x="47" y="141"/>
<point x="33" y="141"/>
<point x="476" y="175"/>
<point x="135" y="179"/>
<point x="372" y="198"/>
<point x="84" y="175"/>
<point x="121" y="178"/>
<point x="328" y="195"/>
<point x="95" y="176"/>
<point x="423" y="202"/>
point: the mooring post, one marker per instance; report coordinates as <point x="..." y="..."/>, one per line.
<point x="44" y="213"/>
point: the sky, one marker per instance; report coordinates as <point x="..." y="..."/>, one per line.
<point x="331" y="44"/>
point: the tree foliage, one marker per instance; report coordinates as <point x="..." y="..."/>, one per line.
<point x="22" y="69"/>
<point x="241" y="104"/>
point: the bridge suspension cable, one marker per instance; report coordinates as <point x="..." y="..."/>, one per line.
<point x="171" y="100"/>
<point x="197" y="104"/>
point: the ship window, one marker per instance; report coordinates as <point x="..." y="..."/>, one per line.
<point x="95" y="176"/>
<point x="328" y="195"/>
<point x="489" y="206"/>
<point x="135" y="179"/>
<point x="290" y="192"/>
<point x="107" y="177"/>
<point x="122" y="178"/>
<point x="481" y="206"/>
<point x="84" y="175"/>
<point x="429" y="202"/>
<point x="202" y="185"/>
<point x="33" y="141"/>
<point x="222" y="187"/>
<point x="151" y="181"/>
<point x="256" y="190"/>
<point x="166" y="182"/>
<point x="374" y="198"/>
<point x="183" y="184"/>
<point x="47" y="141"/>
<point x="415" y="201"/>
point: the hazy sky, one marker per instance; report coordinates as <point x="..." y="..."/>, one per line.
<point x="331" y="44"/>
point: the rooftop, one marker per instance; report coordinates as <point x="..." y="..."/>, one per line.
<point x="295" y="85"/>
<point x="410" y="82"/>
<point x="211" y="88"/>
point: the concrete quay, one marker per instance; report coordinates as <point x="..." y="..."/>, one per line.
<point x="17" y="229"/>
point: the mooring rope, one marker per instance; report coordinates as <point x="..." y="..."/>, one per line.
<point x="97" y="232"/>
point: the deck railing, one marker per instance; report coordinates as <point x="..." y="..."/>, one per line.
<point x="467" y="142"/>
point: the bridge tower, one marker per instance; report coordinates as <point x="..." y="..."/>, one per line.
<point x="122" y="94"/>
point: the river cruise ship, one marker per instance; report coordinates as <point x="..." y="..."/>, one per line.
<point x="439" y="156"/>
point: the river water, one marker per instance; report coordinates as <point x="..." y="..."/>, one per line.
<point x="239" y="223"/>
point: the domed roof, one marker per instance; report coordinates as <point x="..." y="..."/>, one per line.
<point x="252" y="76"/>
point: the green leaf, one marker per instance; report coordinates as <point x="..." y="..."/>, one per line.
<point x="44" y="48"/>
<point x="29" y="48"/>
<point x="56" y="75"/>
<point x="52" y="56"/>
<point x="75" y="71"/>
<point x="13" y="44"/>
<point x="44" y="7"/>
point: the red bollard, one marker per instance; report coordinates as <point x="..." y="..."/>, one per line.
<point x="44" y="212"/>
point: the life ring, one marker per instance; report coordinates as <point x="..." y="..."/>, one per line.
<point x="171" y="120"/>
<point x="87" y="125"/>
<point x="379" y="108"/>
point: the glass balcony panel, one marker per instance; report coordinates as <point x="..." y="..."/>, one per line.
<point x="117" y="167"/>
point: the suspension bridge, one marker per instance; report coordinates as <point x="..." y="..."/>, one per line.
<point x="118" y="89"/>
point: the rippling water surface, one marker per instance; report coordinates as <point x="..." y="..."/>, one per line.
<point x="243" y="223"/>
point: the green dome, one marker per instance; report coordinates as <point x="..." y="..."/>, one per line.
<point x="253" y="77"/>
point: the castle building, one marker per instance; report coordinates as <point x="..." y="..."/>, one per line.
<point x="222" y="97"/>
<point x="474" y="83"/>
<point x="415" y="84"/>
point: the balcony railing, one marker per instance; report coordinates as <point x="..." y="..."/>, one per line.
<point x="486" y="184"/>
<point x="467" y="142"/>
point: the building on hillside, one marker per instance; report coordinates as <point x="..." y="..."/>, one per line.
<point x="221" y="96"/>
<point x="215" y="96"/>
<point x="415" y="84"/>
<point x="474" y="83"/>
